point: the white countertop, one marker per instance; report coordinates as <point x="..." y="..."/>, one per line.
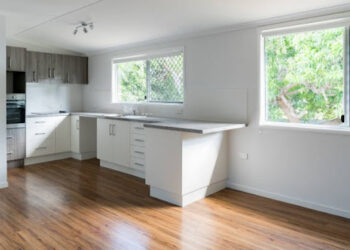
<point x="198" y="127"/>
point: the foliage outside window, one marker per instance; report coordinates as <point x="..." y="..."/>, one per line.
<point x="158" y="80"/>
<point x="304" y="77"/>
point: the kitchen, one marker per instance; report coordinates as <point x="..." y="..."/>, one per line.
<point x="183" y="125"/>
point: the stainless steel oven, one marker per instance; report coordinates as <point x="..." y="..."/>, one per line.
<point x="16" y="110"/>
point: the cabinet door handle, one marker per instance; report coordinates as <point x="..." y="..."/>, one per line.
<point x="109" y="129"/>
<point x="77" y="124"/>
<point x="9" y="153"/>
<point x="33" y="76"/>
<point x="9" y="137"/>
<point x="139" y="128"/>
<point x="49" y="73"/>
<point x="139" y="140"/>
<point x="40" y="133"/>
<point x="113" y="129"/>
<point x="139" y="164"/>
<point x="139" y="152"/>
<point x="40" y="122"/>
<point x="53" y="73"/>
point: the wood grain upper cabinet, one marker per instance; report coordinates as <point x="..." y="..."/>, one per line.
<point x="32" y="66"/>
<point x="57" y="67"/>
<point x="16" y="59"/>
<point x="44" y="66"/>
<point x="82" y="70"/>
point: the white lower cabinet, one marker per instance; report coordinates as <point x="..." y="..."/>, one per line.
<point x="74" y="139"/>
<point x="47" y="135"/>
<point x="113" y="141"/>
<point x="63" y="133"/>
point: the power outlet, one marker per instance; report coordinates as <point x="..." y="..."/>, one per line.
<point x="243" y="156"/>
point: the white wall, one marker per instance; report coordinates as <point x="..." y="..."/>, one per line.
<point x="3" y="164"/>
<point x="52" y="97"/>
<point x="310" y="169"/>
<point x="210" y="92"/>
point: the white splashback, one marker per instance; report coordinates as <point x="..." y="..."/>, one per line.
<point x="52" y="97"/>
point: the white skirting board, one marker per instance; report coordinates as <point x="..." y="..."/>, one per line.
<point x="4" y="184"/>
<point x="186" y="199"/>
<point x="290" y="200"/>
<point x="61" y="156"/>
<point x="122" y="169"/>
<point x="46" y="158"/>
<point x="84" y="156"/>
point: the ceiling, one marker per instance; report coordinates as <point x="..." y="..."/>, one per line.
<point x="120" y="23"/>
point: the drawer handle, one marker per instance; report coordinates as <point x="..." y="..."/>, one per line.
<point x="9" y="153"/>
<point x="39" y="122"/>
<point x="40" y="133"/>
<point x="9" y="137"/>
<point x="139" y="128"/>
<point x="139" y="152"/>
<point x="139" y="164"/>
<point x="41" y="148"/>
<point x="139" y="140"/>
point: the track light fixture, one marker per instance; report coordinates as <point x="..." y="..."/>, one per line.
<point x="84" y="26"/>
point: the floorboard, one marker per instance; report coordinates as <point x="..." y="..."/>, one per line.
<point x="70" y="204"/>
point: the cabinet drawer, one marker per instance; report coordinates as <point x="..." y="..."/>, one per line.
<point x="137" y="128"/>
<point x="43" y="150"/>
<point x="138" y="152"/>
<point x="40" y="122"/>
<point x="138" y="163"/>
<point x="137" y="140"/>
<point x="39" y="142"/>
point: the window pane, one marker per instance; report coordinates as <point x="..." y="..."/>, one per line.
<point x="132" y="81"/>
<point x="166" y="79"/>
<point x="305" y="77"/>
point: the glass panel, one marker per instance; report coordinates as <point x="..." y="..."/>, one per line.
<point x="166" y="79"/>
<point x="132" y="85"/>
<point x="305" y="77"/>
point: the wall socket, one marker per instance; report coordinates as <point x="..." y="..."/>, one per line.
<point x="243" y="156"/>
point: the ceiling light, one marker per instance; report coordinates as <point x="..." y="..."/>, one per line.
<point x="84" y="26"/>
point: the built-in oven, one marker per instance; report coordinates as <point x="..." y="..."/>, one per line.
<point x="16" y="110"/>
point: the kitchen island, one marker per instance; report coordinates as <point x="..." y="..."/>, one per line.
<point x="186" y="160"/>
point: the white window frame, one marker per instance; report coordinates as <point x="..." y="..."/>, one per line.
<point x="145" y="56"/>
<point x="319" y="23"/>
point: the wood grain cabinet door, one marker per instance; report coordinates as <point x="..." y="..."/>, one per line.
<point x="32" y="66"/>
<point x="44" y="66"/>
<point x="57" y="67"/>
<point x="16" y="59"/>
<point x="82" y="70"/>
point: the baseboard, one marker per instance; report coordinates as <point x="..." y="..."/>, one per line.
<point x="84" y="156"/>
<point x="46" y="158"/>
<point x="290" y="200"/>
<point x="122" y="169"/>
<point x="186" y="199"/>
<point x="4" y="184"/>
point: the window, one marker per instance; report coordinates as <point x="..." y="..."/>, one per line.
<point x="154" y="79"/>
<point x="304" y="77"/>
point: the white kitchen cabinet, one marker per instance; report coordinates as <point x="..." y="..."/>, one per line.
<point x="113" y="141"/>
<point x="83" y="137"/>
<point x="40" y="136"/>
<point x="63" y="133"/>
<point x="75" y="126"/>
<point x="105" y="140"/>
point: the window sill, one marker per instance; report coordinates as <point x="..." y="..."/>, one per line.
<point x="306" y="128"/>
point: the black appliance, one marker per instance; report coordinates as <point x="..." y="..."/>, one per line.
<point x="16" y="109"/>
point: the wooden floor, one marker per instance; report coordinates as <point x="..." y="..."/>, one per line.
<point x="70" y="204"/>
